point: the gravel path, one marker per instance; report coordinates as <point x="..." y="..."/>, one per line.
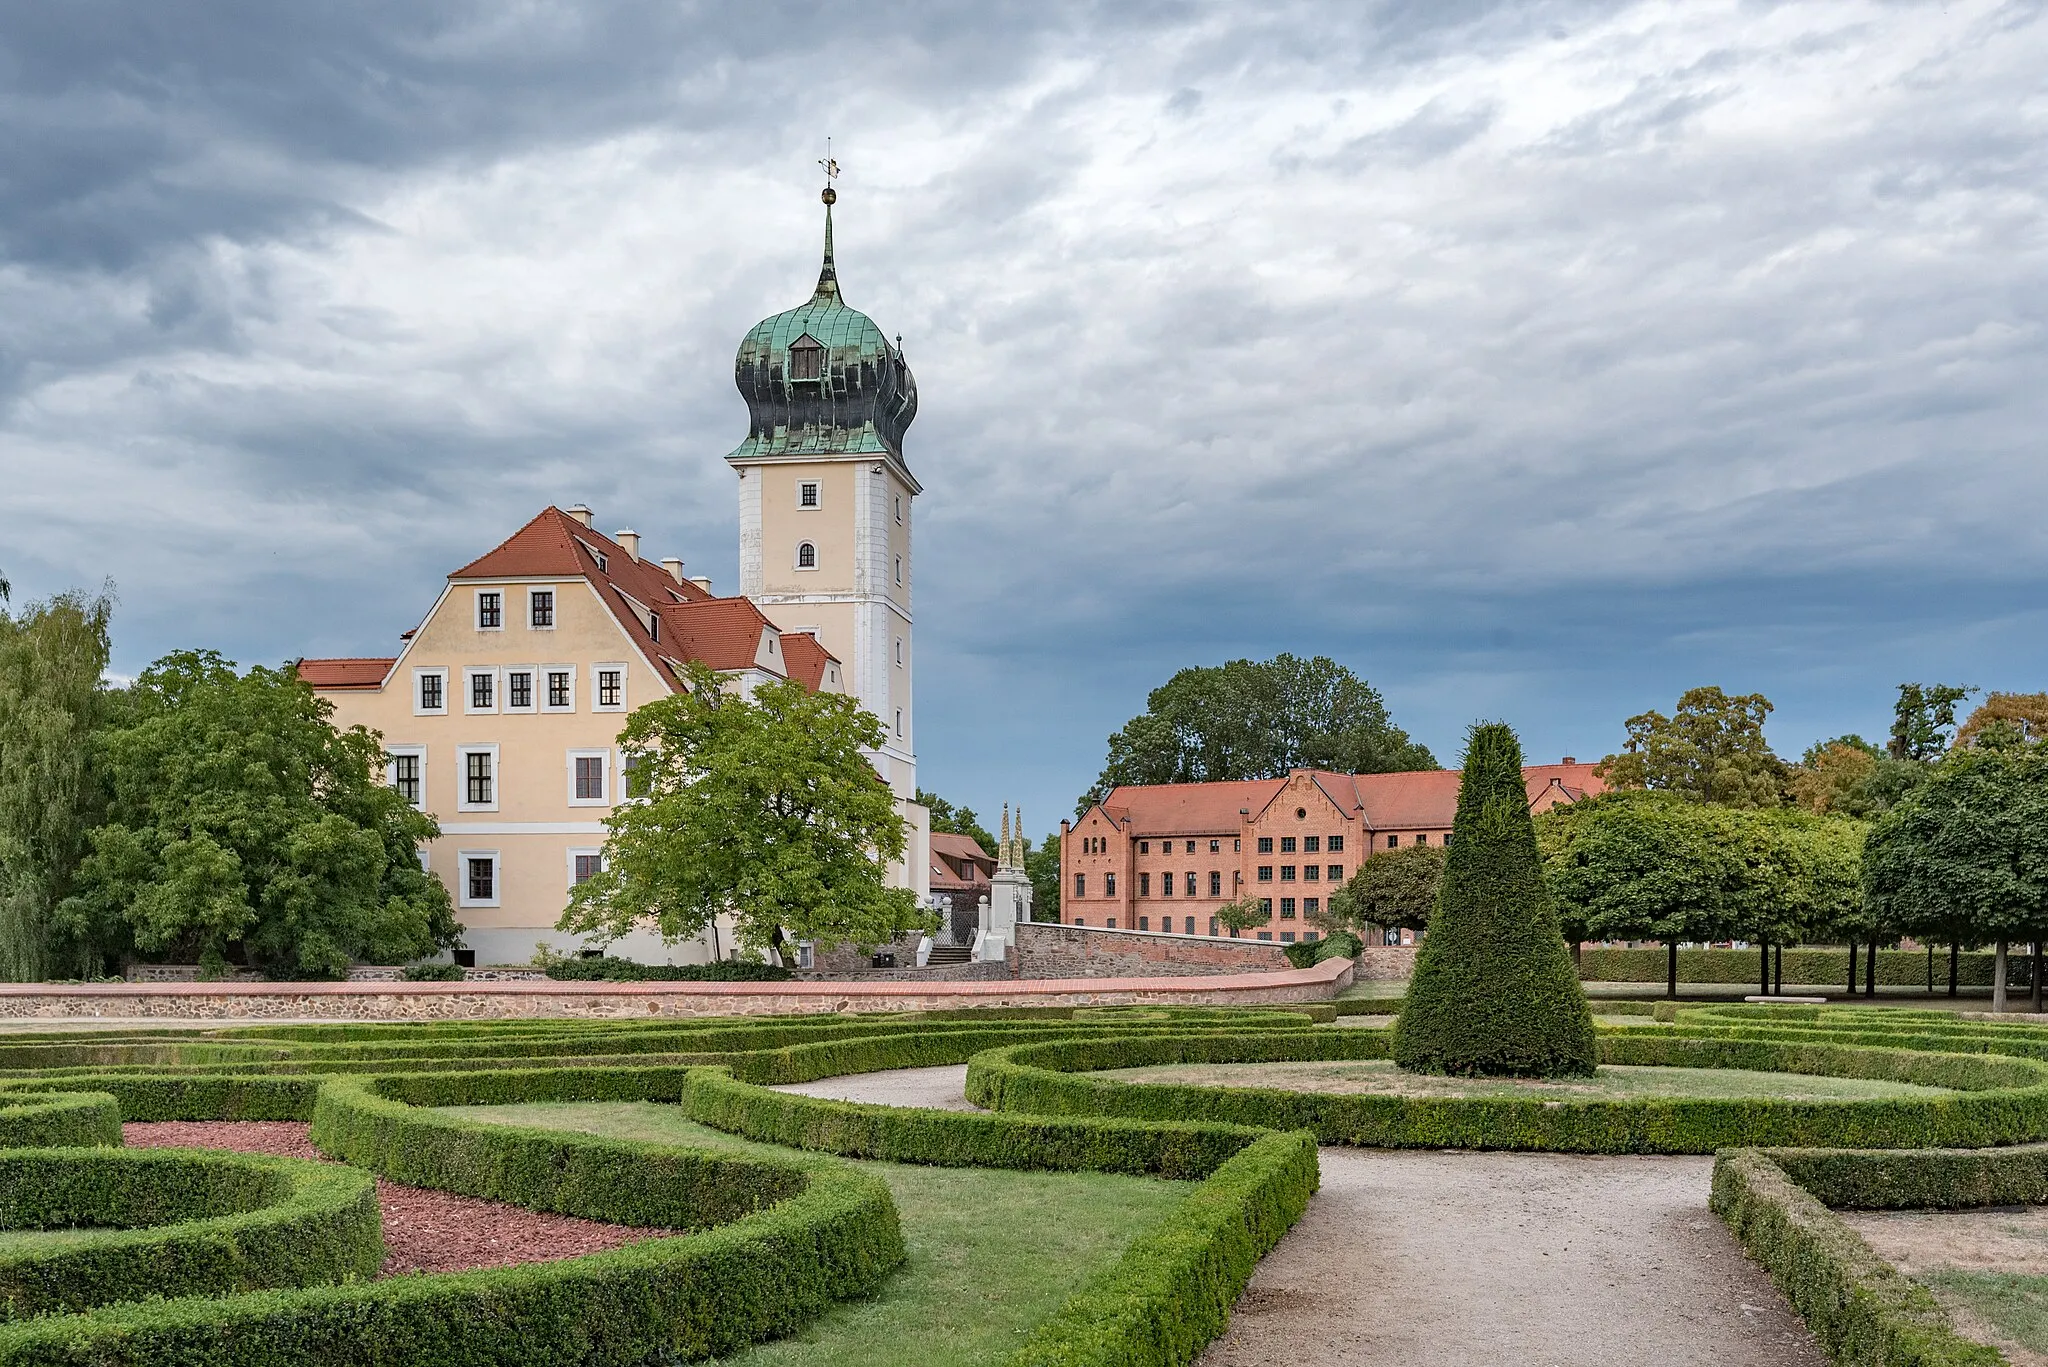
<point x="943" y="1089"/>
<point x="1471" y="1259"/>
<point x="424" y="1231"/>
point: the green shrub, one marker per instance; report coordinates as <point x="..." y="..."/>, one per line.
<point x="67" y="1119"/>
<point x="1172" y="1291"/>
<point x="1494" y="990"/>
<point x="180" y="1224"/>
<point x="626" y="971"/>
<point x="1860" y="1308"/>
<point x="1339" y="944"/>
<point x="2000" y="1100"/>
<point x="434" y="973"/>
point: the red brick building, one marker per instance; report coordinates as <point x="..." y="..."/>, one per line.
<point x="1165" y="857"/>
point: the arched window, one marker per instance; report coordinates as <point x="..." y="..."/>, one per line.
<point x="806" y="358"/>
<point x="806" y="556"/>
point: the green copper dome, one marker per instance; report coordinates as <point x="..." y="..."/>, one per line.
<point x="822" y="380"/>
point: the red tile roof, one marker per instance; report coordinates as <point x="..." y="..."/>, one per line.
<point x="724" y="633"/>
<point x="804" y="660"/>
<point x="1422" y="800"/>
<point x="349" y="673"/>
<point x="960" y="847"/>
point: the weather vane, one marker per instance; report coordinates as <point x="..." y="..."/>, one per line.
<point x="831" y="169"/>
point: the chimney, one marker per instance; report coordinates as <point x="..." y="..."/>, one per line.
<point x="702" y="581"/>
<point x="674" y="566"/>
<point x="629" y="541"/>
<point x="581" y="512"/>
<point x="1569" y="760"/>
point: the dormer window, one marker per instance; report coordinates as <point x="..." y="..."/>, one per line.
<point x="806" y="358"/>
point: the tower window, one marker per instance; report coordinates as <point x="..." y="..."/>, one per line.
<point x="807" y="494"/>
<point x="899" y="510"/>
<point x="899" y="569"/>
<point x="806" y="358"/>
<point x="806" y="556"/>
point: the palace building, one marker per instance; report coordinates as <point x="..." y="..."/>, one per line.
<point x="501" y="713"/>
<point x="1166" y="857"/>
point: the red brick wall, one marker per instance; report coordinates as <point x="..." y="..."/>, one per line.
<point x="1050" y="950"/>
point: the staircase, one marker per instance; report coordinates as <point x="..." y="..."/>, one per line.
<point x="943" y="955"/>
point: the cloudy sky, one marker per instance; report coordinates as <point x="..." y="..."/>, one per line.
<point x="1537" y="360"/>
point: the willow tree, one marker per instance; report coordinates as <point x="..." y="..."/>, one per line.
<point x="1494" y="991"/>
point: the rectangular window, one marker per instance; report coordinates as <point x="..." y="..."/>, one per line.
<point x="1191" y="925"/>
<point x="587" y="777"/>
<point x="540" y="609"/>
<point x="1422" y="837"/>
<point x="807" y="494"/>
<point x="1265" y="935"/>
<point x="1310" y="906"/>
<point x="1215" y="883"/>
<point x="1310" y="845"/>
<point x="1212" y="925"/>
<point x="519" y="690"/>
<point x="1080" y="885"/>
<point x="899" y="569"/>
<point x="561" y="690"/>
<point x="899" y="510"/>
<point x="1287" y="908"/>
<point x="1287" y="844"/>
<point x="1287" y="873"/>
<point x="1265" y="906"/>
<point x="1287" y="937"/>
<point x="1265" y="844"/>
<point x="1336" y="844"/>
<point x="1311" y="872"/>
<point x="1144" y="923"/>
<point x="408" y="775"/>
<point x="1393" y="842"/>
<point x="1237" y="846"/>
<point x="1191" y="885"/>
<point x="490" y="610"/>
<point x="1215" y="846"/>
<point x="584" y="865"/>
<point x="1144" y="885"/>
<point x="632" y="779"/>
<point x="483" y="690"/>
<point x="1144" y="847"/>
<point x="483" y="880"/>
<point x="1336" y="872"/>
<point x="478" y="878"/>
<point x="1109" y="885"/>
<point x="433" y="690"/>
<point x="1112" y="923"/>
<point x="477" y="778"/>
<point x="1265" y="873"/>
<point x="1166" y="885"/>
<point x="611" y="687"/>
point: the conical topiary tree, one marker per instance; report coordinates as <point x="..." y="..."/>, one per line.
<point x="1494" y="990"/>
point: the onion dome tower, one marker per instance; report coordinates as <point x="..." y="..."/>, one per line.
<point x="825" y="499"/>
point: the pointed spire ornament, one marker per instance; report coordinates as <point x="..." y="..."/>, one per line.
<point x="828" y="274"/>
<point x="1003" y="847"/>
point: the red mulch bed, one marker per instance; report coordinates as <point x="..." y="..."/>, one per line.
<point x="424" y="1231"/>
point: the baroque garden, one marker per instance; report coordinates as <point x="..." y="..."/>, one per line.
<point x="1100" y="1187"/>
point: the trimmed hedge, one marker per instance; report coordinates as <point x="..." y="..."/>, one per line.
<point x="1863" y="1311"/>
<point x="67" y="1119"/>
<point x="1807" y="967"/>
<point x="1998" y="1101"/>
<point x="626" y="971"/>
<point x="1338" y="944"/>
<point x="180" y="1223"/>
<point x="1173" y="1289"/>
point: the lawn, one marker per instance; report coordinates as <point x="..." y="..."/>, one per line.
<point x="992" y="1253"/>
<point x="1610" y="1083"/>
<point x="2012" y="1307"/>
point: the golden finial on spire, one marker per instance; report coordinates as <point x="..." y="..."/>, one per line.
<point x="830" y="166"/>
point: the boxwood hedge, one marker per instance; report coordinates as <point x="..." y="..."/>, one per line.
<point x="179" y="1223"/>
<point x="60" y="1119"/>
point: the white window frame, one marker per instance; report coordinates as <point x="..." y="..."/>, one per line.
<point x="604" y="757"/>
<point x="462" y="802"/>
<point x="541" y="698"/>
<point x="597" y="695"/>
<point x="469" y="693"/>
<point x="554" y="608"/>
<point x="418" y="752"/>
<point x="419" y="674"/>
<point x="621" y="793"/>
<point x="476" y="614"/>
<point x="804" y="507"/>
<point x="462" y="897"/>
<point x="569" y="861"/>
<point x="536" y="686"/>
<point x="796" y="558"/>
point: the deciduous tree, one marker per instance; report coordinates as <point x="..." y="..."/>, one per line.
<point x="1244" y="914"/>
<point x="2021" y="717"/>
<point x="1711" y="749"/>
<point x="242" y="824"/>
<point x="1837" y="777"/>
<point x="1258" y="719"/>
<point x="1922" y="719"/>
<point x="1396" y="888"/>
<point x="1494" y="991"/>
<point x="764" y="808"/>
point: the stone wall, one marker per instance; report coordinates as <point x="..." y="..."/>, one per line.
<point x="1048" y="949"/>
<point x="1386" y="963"/>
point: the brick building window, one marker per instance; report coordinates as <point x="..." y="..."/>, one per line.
<point x="1310" y="872"/>
<point x="1287" y="937"/>
<point x="1265" y="873"/>
<point x="1309" y="906"/>
<point x="1144" y="847"/>
<point x="1310" y="844"/>
<point x="1144" y="923"/>
<point x="1336" y="872"/>
<point x="1336" y="844"/>
<point x="1191" y="925"/>
<point x="1109" y="885"/>
<point x="1422" y="837"/>
<point x="1287" y="844"/>
<point x="1287" y="873"/>
<point x="1166" y="885"/>
<point x="1265" y="906"/>
<point x="1144" y="885"/>
<point x="1265" y="844"/>
<point x="1080" y="885"/>
<point x="1191" y="888"/>
<point x="1393" y="842"/>
<point x="1215" y="884"/>
<point x="1215" y="846"/>
<point x="1212" y="925"/>
<point x="1287" y="908"/>
<point x="1191" y="847"/>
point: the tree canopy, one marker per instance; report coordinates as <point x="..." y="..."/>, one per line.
<point x="1393" y="888"/>
<point x="1964" y="857"/>
<point x="241" y="823"/>
<point x="1710" y="749"/>
<point x="1922" y="719"/>
<point x="1258" y="719"/>
<point x="2008" y="717"/>
<point x="764" y="808"/>
<point x="1494" y="990"/>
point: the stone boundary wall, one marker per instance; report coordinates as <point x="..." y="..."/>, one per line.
<point x="1386" y="963"/>
<point x="1049" y="949"/>
<point x="509" y="1000"/>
